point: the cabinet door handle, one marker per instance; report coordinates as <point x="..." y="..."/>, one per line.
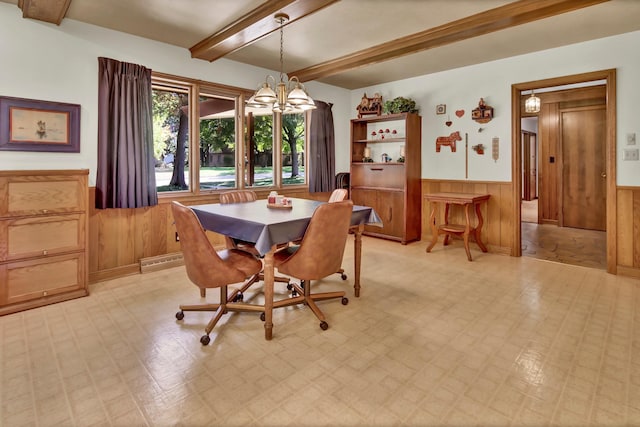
<point x="45" y="211"/>
<point x="376" y="169"/>
<point x="390" y="214"/>
<point x="45" y="252"/>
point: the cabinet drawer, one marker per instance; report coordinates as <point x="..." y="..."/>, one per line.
<point x="38" y="236"/>
<point x="378" y="175"/>
<point x="29" y="195"/>
<point x="26" y="280"/>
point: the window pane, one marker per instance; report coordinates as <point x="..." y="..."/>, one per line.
<point x="217" y="142"/>
<point x="259" y="150"/>
<point x="171" y="138"/>
<point x="293" y="155"/>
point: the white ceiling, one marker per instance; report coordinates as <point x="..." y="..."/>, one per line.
<point x="352" y="25"/>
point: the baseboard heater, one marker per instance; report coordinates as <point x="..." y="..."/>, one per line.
<point x="161" y="262"/>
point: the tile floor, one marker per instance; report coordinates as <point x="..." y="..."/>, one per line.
<point x="434" y="340"/>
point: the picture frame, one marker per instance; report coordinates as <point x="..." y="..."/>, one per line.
<point x="35" y="125"/>
<point x="441" y="109"/>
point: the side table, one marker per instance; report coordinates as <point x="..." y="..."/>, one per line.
<point x="465" y="230"/>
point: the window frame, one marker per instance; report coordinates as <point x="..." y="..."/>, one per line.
<point x="197" y="87"/>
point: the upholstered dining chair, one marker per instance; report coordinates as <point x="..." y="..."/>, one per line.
<point x="338" y="195"/>
<point x="208" y="268"/>
<point x="239" y="196"/>
<point x="319" y="255"/>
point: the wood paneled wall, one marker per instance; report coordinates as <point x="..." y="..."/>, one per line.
<point x="628" y="231"/>
<point x="120" y="238"/>
<point x="496" y="232"/>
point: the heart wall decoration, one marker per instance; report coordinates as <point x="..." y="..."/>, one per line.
<point x="459" y="113"/>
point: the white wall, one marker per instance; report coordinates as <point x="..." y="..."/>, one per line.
<point x="462" y="88"/>
<point x="60" y="63"/>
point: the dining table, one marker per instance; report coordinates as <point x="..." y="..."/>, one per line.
<point x="269" y="226"/>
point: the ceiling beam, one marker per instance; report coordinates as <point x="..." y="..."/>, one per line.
<point x="44" y="10"/>
<point x="253" y="26"/>
<point x="511" y="15"/>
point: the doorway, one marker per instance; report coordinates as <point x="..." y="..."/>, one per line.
<point x="549" y="229"/>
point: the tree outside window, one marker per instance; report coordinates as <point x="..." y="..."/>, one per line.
<point x="221" y="163"/>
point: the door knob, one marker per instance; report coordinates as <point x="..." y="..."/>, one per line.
<point x="603" y="174"/>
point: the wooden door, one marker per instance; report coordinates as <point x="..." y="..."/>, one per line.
<point x="583" y="178"/>
<point x="529" y="166"/>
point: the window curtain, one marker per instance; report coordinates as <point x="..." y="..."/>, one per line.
<point x="126" y="166"/>
<point x="322" y="149"/>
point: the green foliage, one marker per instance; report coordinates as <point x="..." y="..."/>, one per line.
<point x="166" y="120"/>
<point x="263" y="133"/>
<point x="400" y="105"/>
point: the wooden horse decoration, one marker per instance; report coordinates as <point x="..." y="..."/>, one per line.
<point x="449" y="141"/>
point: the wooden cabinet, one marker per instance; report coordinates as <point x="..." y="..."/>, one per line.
<point x="43" y="237"/>
<point x="390" y="183"/>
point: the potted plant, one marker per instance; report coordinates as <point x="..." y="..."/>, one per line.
<point x="400" y="105"/>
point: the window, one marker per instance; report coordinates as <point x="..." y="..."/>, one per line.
<point x="293" y="148"/>
<point x="218" y="151"/>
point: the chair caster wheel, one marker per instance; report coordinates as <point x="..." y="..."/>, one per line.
<point x="345" y="300"/>
<point x="205" y="340"/>
<point x="343" y="276"/>
<point x="180" y="315"/>
<point x="238" y="297"/>
<point x="262" y="317"/>
<point x="324" y="326"/>
<point x="289" y="286"/>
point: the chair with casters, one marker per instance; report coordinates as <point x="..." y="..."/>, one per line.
<point x="338" y="195"/>
<point x="208" y="268"/>
<point x="239" y="196"/>
<point x="319" y="255"/>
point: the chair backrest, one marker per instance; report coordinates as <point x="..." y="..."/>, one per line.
<point x="238" y="196"/>
<point x="322" y="247"/>
<point x="338" y="195"/>
<point x="205" y="267"/>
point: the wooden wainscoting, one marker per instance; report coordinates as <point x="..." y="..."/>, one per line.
<point x="120" y="238"/>
<point x="628" y="231"/>
<point x="496" y="232"/>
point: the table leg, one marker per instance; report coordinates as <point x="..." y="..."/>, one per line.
<point x="357" y="257"/>
<point x="467" y="231"/>
<point x="479" y="229"/>
<point x="434" y="228"/>
<point x="445" y="241"/>
<point x="269" y="274"/>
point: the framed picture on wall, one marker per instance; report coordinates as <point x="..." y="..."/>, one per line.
<point x="441" y="109"/>
<point x="34" y="125"/>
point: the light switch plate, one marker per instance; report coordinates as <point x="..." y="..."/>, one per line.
<point x="630" y="154"/>
<point x="631" y="139"/>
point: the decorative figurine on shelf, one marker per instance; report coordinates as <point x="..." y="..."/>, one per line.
<point x="366" y="157"/>
<point x="482" y="114"/>
<point x="401" y="158"/>
<point x="370" y="106"/>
